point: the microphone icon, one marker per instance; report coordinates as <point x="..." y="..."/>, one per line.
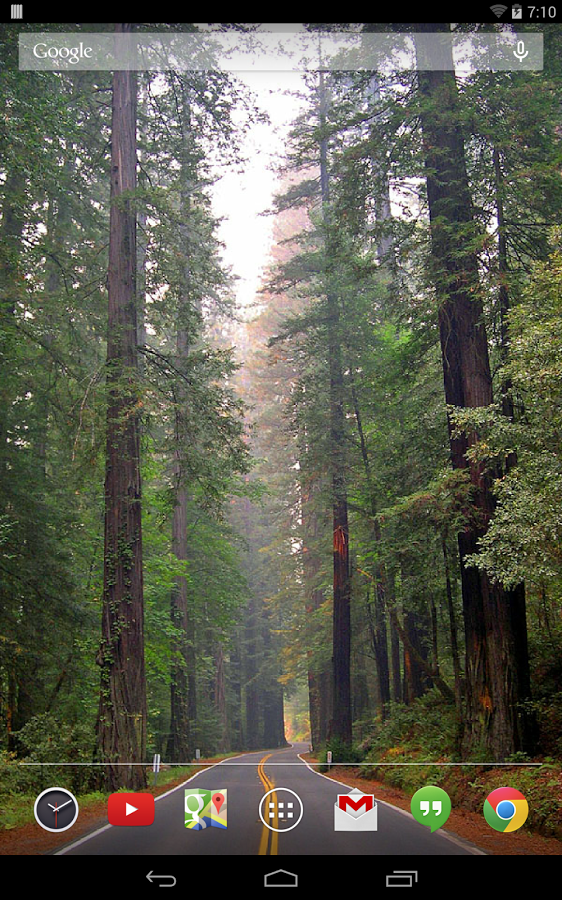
<point x="520" y="53"/>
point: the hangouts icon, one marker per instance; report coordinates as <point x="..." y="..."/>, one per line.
<point x="431" y="806"/>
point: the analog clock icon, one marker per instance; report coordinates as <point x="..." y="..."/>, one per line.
<point x="56" y="809"/>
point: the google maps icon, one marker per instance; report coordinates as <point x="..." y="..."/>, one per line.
<point x="505" y="809"/>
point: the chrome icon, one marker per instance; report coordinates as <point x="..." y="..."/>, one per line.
<point x="506" y="809"/>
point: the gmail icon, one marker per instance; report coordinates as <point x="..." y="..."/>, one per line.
<point x="355" y="812"/>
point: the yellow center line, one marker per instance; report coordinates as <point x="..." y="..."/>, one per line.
<point x="268" y="785"/>
<point x="274" y="834"/>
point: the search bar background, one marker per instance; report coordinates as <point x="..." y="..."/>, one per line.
<point x="283" y="52"/>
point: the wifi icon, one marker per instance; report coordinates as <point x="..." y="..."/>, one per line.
<point x="498" y="9"/>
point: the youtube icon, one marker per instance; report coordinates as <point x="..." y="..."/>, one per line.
<point x="130" y="809"/>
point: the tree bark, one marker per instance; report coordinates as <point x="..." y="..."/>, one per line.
<point x="340" y="726"/>
<point x="122" y="711"/>
<point x="377" y="622"/>
<point x="418" y="673"/>
<point x="183" y="698"/>
<point x="314" y="596"/>
<point x="235" y="728"/>
<point x="497" y="670"/>
<point x="252" y="697"/>
<point x="183" y="708"/>
<point x="503" y="296"/>
<point x="452" y="628"/>
<point x="220" y="698"/>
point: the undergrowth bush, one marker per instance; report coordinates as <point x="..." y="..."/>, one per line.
<point x="428" y="727"/>
<point x="341" y="753"/>
<point x="44" y="740"/>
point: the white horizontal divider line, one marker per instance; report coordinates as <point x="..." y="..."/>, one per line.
<point x="257" y="763"/>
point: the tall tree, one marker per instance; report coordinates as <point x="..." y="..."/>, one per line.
<point x="183" y="698"/>
<point x="123" y="710"/>
<point x="497" y="668"/>
<point x="340" y="726"/>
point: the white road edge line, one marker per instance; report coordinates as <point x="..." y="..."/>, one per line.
<point x="93" y="834"/>
<point x="455" y="840"/>
<point x="446" y="834"/>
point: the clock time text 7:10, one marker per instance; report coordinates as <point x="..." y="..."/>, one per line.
<point x="542" y="12"/>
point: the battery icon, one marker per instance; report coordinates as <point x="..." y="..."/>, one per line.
<point x="516" y="11"/>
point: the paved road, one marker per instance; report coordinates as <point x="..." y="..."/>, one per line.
<point x="247" y="778"/>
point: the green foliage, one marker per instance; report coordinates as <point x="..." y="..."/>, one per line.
<point x="424" y="730"/>
<point x="54" y="191"/>
<point x="48" y="740"/>
<point x="258" y="570"/>
<point x="341" y="753"/>
<point x="524" y="538"/>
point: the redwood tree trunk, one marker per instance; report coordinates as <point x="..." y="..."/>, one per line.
<point x="183" y="691"/>
<point x="318" y="696"/>
<point x="497" y="670"/>
<point x="377" y="616"/>
<point x="122" y="713"/>
<point x="251" y="675"/>
<point x="340" y="727"/>
<point x="220" y="699"/>
<point x="182" y="687"/>
<point x="416" y="680"/>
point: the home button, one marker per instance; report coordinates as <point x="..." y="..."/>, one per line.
<point x="281" y="878"/>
